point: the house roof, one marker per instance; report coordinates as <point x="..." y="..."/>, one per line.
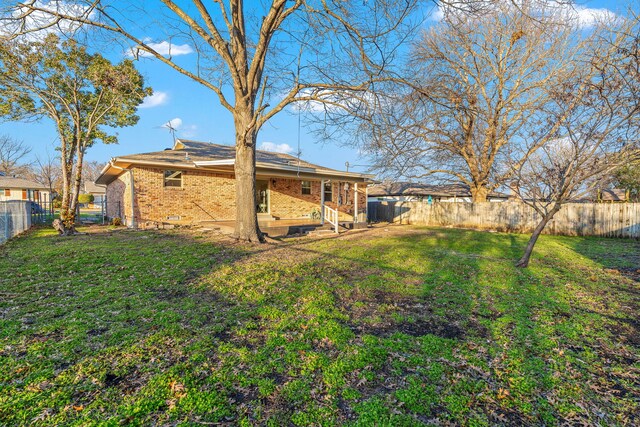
<point x="417" y="189"/>
<point x="613" y="195"/>
<point x="93" y="188"/>
<point x="187" y="154"/>
<point x="10" y="182"/>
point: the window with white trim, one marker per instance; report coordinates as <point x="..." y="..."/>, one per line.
<point x="173" y="179"/>
<point x="328" y="191"/>
<point x="306" y="187"/>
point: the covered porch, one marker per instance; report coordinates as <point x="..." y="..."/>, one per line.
<point x="331" y="202"/>
<point x="285" y="227"/>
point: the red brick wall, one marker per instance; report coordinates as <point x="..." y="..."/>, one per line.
<point x="116" y="192"/>
<point x="288" y="202"/>
<point x="211" y="196"/>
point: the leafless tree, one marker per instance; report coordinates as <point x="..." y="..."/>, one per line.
<point x="599" y="130"/>
<point x="256" y="58"/>
<point x="46" y="170"/>
<point x="478" y="90"/>
<point x="91" y="170"/>
<point x="12" y="153"/>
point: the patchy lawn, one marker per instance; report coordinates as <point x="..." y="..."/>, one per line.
<point x="396" y="326"/>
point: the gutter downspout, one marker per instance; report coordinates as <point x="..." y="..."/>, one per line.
<point x="133" y="198"/>
<point x="355" y="191"/>
<point x="366" y="203"/>
<point x="133" y="190"/>
<point x="322" y="201"/>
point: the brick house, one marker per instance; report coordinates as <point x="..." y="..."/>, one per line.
<point x="194" y="182"/>
<point x="413" y="191"/>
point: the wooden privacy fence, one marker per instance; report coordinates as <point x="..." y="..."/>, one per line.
<point x="574" y="219"/>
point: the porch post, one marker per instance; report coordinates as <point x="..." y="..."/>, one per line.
<point x="322" y="201"/>
<point x="366" y="203"/>
<point x="355" y="202"/>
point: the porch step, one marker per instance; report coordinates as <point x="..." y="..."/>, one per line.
<point x="344" y="225"/>
<point x="321" y="232"/>
<point x="265" y="217"/>
<point x="285" y="228"/>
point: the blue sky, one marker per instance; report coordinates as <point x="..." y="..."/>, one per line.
<point x="200" y="117"/>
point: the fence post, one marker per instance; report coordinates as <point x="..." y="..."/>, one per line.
<point x="6" y="222"/>
<point x="600" y="219"/>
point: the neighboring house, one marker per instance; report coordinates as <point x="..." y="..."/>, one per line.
<point x="613" y="195"/>
<point x="407" y="191"/>
<point x="99" y="192"/>
<point x="22" y="189"/>
<point x="194" y="181"/>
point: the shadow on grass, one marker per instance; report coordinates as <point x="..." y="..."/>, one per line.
<point x="163" y="327"/>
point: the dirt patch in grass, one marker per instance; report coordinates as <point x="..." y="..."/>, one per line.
<point x="632" y="273"/>
<point x="383" y="314"/>
<point x="422" y="327"/>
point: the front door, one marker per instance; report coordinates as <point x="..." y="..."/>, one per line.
<point x="262" y="196"/>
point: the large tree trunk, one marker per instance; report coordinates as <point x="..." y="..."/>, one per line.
<point x="479" y="193"/>
<point x="67" y="216"/>
<point x="246" y="228"/>
<point x="77" y="180"/>
<point x="524" y="261"/>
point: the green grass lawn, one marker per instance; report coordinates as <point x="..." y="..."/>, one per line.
<point x="396" y="326"/>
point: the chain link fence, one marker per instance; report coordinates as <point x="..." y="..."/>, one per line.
<point x="15" y="217"/>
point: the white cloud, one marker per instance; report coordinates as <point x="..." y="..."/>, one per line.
<point x="337" y="101"/>
<point x="178" y="126"/>
<point x="437" y="13"/>
<point x="276" y="148"/>
<point x="569" y="11"/>
<point x="189" y="131"/>
<point x="39" y="23"/>
<point x="174" y="124"/>
<point x="588" y="17"/>
<point x="164" y="48"/>
<point x="317" y="105"/>
<point x="158" y="98"/>
<point x="309" y="106"/>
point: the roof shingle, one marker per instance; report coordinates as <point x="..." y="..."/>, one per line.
<point x="204" y="151"/>
<point x="10" y="182"/>
<point x="417" y="189"/>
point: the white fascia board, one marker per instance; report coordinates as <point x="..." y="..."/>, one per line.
<point x="222" y="162"/>
<point x="284" y="167"/>
<point x="319" y="172"/>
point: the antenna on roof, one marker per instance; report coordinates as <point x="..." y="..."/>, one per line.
<point x="171" y="128"/>
<point x="299" y="151"/>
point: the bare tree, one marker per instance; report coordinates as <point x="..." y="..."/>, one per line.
<point x="46" y="170"/>
<point x="256" y="59"/>
<point x="598" y="131"/>
<point x="12" y="153"/>
<point x="91" y="170"/>
<point x="478" y="90"/>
